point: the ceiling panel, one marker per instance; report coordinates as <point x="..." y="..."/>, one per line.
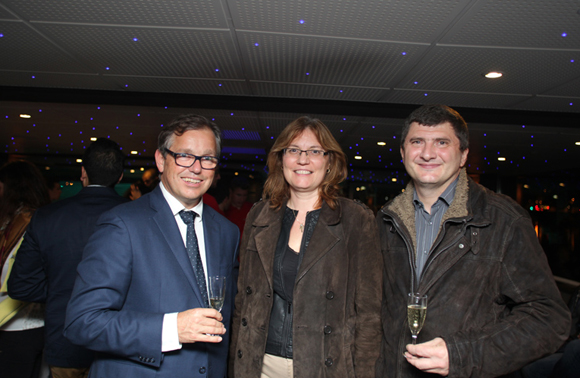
<point x="380" y="20"/>
<point x="147" y="51"/>
<point x="461" y="69"/>
<point x="297" y="59"/>
<point x="180" y="85"/>
<point x="457" y="99"/>
<point x="199" y="13"/>
<point x="519" y="23"/>
<point x="343" y="93"/>
<point x="56" y="80"/>
<point x="552" y="104"/>
<point x="569" y="89"/>
<point x="23" y="49"/>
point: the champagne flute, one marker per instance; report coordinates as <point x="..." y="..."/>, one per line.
<point x="416" y="313"/>
<point x="217" y="291"/>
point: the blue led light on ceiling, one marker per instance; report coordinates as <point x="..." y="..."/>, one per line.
<point x="564" y="34"/>
<point x="403" y="53"/>
<point x="301" y="21"/>
<point x="256" y="44"/>
<point x="240" y="135"/>
<point x="135" y="39"/>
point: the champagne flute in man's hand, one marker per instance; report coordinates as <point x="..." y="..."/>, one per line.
<point x="416" y="313"/>
<point x="217" y="291"/>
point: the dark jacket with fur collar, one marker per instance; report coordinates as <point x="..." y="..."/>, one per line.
<point x="337" y="295"/>
<point x="491" y="294"/>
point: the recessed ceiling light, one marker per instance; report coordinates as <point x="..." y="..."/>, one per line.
<point x="93" y="139"/>
<point x="493" y="74"/>
<point x="141" y="169"/>
<point x="79" y="160"/>
<point x="501" y="158"/>
<point x="577" y="143"/>
<point x="381" y="143"/>
<point x="24" y="115"/>
<point x="132" y="171"/>
<point x="358" y="157"/>
<point x="394" y="179"/>
<point x="134" y="152"/>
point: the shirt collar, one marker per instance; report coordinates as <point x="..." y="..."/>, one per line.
<point x="447" y="195"/>
<point x="177" y="206"/>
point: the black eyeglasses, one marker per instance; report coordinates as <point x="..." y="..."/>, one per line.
<point x="187" y="160"/>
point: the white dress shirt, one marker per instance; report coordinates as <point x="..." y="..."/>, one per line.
<point x="170" y="337"/>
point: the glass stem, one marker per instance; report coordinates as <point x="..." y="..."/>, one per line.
<point x="414" y="339"/>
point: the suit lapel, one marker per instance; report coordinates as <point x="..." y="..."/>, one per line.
<point x="168" y="228"/>
<point x="213" y="245"/>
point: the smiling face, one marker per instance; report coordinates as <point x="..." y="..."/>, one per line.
<point x="305" y="173"/>
<point x="432" y="156"/>
<point x="188" y="185"/>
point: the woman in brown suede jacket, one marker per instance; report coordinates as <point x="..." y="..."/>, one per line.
<point x="309" y="290"/>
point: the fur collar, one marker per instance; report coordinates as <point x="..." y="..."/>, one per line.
<point x="402" y="206"/>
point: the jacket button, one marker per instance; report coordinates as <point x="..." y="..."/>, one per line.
<point x="244" y="322"/>
<point x="240" y="354"/>
<point x="153" y="360"/>
<point x="327" y="330"/>
<point x="461" y="246"/>
<point x="329" y="295"/>
<point x="202" y="370"/>
<point x="248" y="290"/>
<point x="474" y="233"/>
<point x="328" y="362"/>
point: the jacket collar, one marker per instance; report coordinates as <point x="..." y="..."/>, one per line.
<point x="269" y="224"/>
<point x="402" y="206"/>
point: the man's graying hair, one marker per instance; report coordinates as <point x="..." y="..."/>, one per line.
<point x="436" y="114"/>
<point x="181" y="125"/>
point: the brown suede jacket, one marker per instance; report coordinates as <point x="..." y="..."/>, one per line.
<point x="491" y="294"/>
<point x="337" y="295"/>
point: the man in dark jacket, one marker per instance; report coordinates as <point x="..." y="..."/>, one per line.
<point x="493" y="305"/>
<point x="45" y="266"/>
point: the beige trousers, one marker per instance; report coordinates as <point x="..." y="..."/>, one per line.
<point x="277" y="367"/>
<point x="61" y="372"/>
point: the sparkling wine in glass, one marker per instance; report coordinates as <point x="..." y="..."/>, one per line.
<point x="217" y="291"/>
<point x="416" y="313"/>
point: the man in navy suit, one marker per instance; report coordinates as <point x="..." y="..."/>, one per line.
<point x="44" y="270"/>
<point x="138" y="300"/>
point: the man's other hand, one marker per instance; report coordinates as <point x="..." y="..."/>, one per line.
<point x="430" y="357"/>
<point x="200" y="325"/>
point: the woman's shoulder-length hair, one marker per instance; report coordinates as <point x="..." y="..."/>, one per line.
<point x="277" y="190"/>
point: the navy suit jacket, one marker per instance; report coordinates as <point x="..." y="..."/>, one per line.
<point x="45" y="266"/>
<point x="134" y="270"/>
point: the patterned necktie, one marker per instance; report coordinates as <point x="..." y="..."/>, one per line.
<point x="193" y="253"/>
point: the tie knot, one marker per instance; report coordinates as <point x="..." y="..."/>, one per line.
<point x="187" y="216"/>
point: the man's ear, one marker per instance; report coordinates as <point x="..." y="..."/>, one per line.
<point x="84" y="177"/>
<point x="159" y="161"/>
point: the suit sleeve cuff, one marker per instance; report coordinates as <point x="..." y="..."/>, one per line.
<point x="169" y="335"/>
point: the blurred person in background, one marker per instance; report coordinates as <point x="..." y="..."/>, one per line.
<point x="309" y="292"/>
<point x="22" y="191"/>
<point x="149" y="180"/>
<point x="46" y="263"/>
<point x="236" y="205"/>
